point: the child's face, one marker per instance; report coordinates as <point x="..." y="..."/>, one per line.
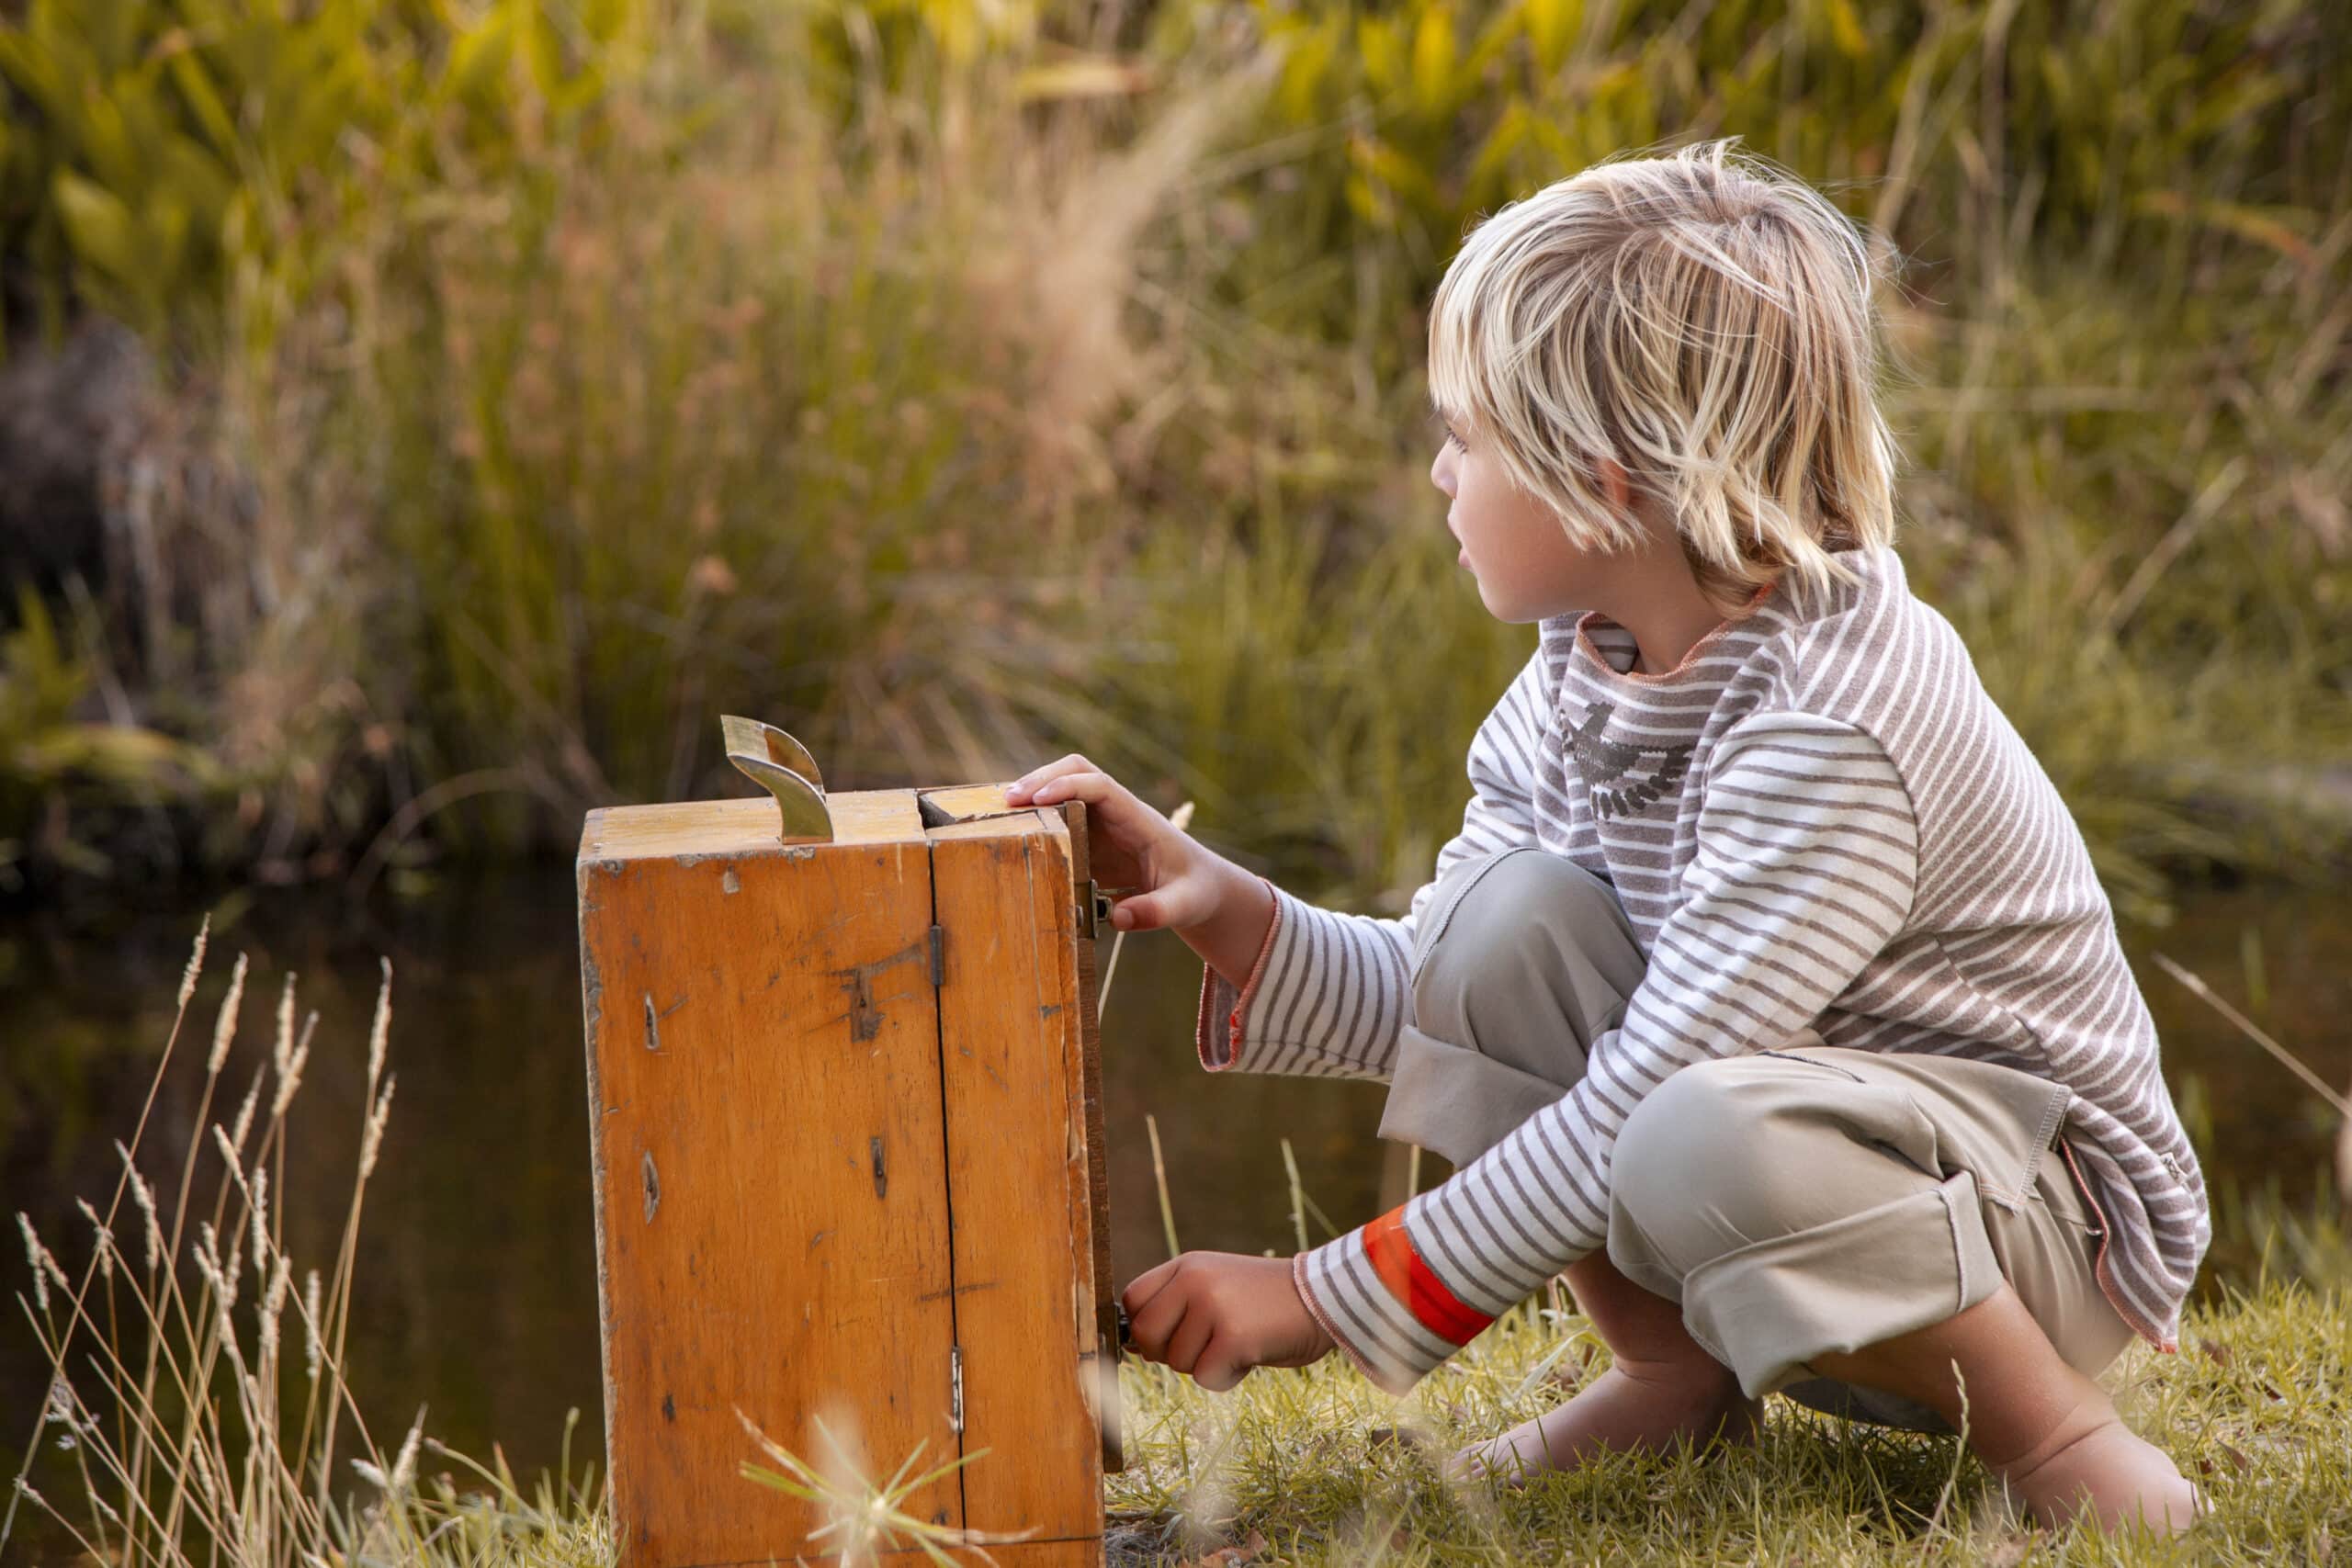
<point x="1512" y="542"/>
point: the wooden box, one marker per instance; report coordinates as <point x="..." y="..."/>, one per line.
<point x="847" y="1134"/>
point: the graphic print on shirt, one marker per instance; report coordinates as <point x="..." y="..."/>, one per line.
<point x="1603" y="762"/>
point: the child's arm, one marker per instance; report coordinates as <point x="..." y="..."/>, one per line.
<point x="1323" y="993"/>
<point x="1229" y="940"/>
<point x="1805" y="868"/>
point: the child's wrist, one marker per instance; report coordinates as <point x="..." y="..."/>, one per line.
<point x="1228" y="941"/>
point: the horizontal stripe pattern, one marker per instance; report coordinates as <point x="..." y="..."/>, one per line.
<point x="1817" y="818"/>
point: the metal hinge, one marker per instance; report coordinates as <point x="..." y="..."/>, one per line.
<point x="938" y="956"/>
<point x="956" y="1388"/>
<point x="1093" y="907"/>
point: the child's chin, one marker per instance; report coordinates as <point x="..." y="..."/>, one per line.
<point x="1503" y="609"/>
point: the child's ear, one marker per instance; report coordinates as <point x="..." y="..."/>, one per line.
<point x="1613" y="482"/>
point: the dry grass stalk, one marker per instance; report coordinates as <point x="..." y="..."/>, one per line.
<point x="867" y="1517"/>
<point x="2245" y="1026"/>
<point x="179" y="1443"/>
<point x="2344" y="1155"/>
<point x="2340" y="1103"/>
<point x="1159" y="1178"/>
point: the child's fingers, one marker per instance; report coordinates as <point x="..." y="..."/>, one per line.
<point x="1152" y="1335"/>
<point x="1220" y="1366"/>
<point x="1138" y="912"/>
<point x="1094" y="788"/>
<point x="1027" y="783"/>
<point x="1107" y="800"/>
<point x="1145" y="1285"/>
<point x="1192" y="1337"/>
<point x="1132" y="827"/>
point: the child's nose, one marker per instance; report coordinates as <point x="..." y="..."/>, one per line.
<point x="1442" y="470"/>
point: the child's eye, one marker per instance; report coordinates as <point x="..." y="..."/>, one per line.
<point x="1455" y="439"/>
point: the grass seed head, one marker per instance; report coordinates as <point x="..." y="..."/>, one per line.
<point x="228" y="1153"/>
<point x="261" y="1219"/>
<point x="207" y="1251"/>
<point x="281" y="1049"/>
<point x="101" y="1238"/>
<point x="290" y="1079"/>
<point x="151" y="1224"/>
<point x="312" y="1350"/>
<point x="194" y="963"/>
<point x="224" y="1028"/>
<point x="380" y="1027"/>
<point x="372" y="1138"/>
<point x="273" y="1306"/>
<point x="42" y="1263"/>
<point x="244" y="1119"/>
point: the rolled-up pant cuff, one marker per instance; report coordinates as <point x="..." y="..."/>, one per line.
<point x="1765" y="1310"/>
<point x="1460" y="1102"/>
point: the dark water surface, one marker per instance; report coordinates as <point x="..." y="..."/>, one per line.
<point x="476" y="1267"/>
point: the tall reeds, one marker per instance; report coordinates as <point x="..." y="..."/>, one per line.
<point x="198" y="1370"/>
<point x="965" y="383"/>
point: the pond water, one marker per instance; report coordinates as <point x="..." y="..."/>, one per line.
<point x="476" y="1293"/>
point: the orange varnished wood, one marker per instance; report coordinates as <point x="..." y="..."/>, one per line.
<point x="957" y="803"/>
<point x="747" y="1051"/>
<point x="1083" y="1552"/>
<point x="1017" y="1170"/>
<point x="758" y="1014"/>
<point x="1040" y="1551"/>
<point x="744" y="827"/>
<point x="1096" y="1219"/>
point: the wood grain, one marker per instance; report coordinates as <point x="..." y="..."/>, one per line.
<point x="962" y="803"/>
<point x="746" y="826"/>
<point x="1017" y="1174"/>
<point x="1104" y="1372"/>
<point x="761" y="1019"/>
<point x="1078" y="1551"/>
<point x="762" y="1039"/>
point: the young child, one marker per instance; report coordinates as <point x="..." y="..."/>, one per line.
<point x="1766" y="992"/>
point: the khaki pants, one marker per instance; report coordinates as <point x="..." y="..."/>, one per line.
<point x="1797" y="1200"/>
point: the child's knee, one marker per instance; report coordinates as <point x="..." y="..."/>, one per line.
<point x="1687" y="1162"/>
<point x="1727" y="1153"/>
<point x="1508" y="923"/>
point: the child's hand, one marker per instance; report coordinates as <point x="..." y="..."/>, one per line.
<point x="1179" y="883"/>
<point x="1217" y="1315"/>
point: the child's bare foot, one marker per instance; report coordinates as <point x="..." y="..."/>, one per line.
<point x="1627" y="1408"/>
<point x="2092" y="1464"/>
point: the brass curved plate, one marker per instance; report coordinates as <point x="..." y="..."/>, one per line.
<point x="750" y="738"/>
<point x="781" y="766"/>
<point x="798" y="803"/>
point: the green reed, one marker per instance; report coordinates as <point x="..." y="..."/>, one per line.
<point x="958" y="385"/>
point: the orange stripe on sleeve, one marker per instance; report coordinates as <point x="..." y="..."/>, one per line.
<point x="1413" y="1282"/>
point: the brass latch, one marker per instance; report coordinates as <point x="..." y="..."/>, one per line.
<point x="1094" y="909"/>
<point x="781" y="766"/>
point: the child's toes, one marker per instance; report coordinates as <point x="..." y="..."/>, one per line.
<point x="1467" y="1466"/>
<point x="1499" y="1458"/>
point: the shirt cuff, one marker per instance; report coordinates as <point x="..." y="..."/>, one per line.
<point x="1384" y="1305"/>
<point x="1221" y="1049"/>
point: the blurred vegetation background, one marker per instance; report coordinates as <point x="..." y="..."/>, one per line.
<point x="421" y="418"/>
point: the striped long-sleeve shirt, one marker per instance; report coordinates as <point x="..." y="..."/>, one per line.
<point x="1819" y="817"/>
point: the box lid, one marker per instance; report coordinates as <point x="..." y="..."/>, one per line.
<point x="749" y="826"/>
<point x="742" y="827"/>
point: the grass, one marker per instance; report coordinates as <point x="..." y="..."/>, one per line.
<point x="1329" y="1470"/>
<point x="202" y="1411"/>
<point x="195" y="1428"/>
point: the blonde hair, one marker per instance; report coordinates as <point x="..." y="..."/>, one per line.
<point x="1707" y="322"/>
